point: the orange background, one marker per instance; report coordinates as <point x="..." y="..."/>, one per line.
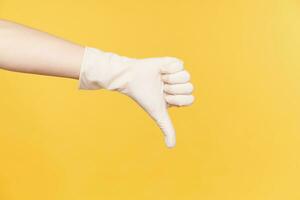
<point x="239" y="141"/>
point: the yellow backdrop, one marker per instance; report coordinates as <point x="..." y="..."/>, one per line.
<point x="239" y="141"/>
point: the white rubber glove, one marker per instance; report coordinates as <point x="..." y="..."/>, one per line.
<point x="154" y="83"/>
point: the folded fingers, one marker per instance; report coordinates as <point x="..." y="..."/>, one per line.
<point x="175" y="78"/>
<point x="175" y="89"/>
<point x="179" y="100"/>
<point x="177" y="86"/>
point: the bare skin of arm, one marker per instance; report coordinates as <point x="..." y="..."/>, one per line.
<point x="23" y="49"/>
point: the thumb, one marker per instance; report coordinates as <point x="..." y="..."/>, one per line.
<point x="164" y="122"/>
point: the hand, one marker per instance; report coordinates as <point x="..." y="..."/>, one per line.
<point x="154" y="83"/>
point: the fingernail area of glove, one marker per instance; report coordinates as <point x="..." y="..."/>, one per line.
<point x="170" y="143"/>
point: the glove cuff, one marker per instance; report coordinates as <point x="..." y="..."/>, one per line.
<point x="82" y="82"/>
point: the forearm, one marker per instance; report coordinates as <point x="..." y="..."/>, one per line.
<point x="23" y="49"/>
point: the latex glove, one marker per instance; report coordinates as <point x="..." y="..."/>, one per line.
<point x="154" y="83"/>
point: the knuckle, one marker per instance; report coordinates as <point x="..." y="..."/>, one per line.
<point x="187" y="75"/>
<point x="190" y="87"/>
